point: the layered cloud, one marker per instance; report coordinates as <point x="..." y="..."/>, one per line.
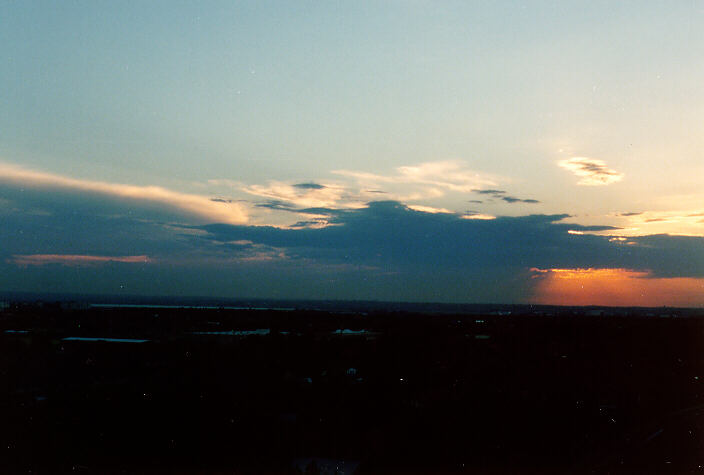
<point x="428" y="186"/>
<point x="66" y="234"/>
<point x="592" y="172"/>
<point x="201" y="207"/>
<point x="384" y="250"/>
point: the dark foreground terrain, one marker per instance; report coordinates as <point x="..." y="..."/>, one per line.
<point x="262" y="391"/>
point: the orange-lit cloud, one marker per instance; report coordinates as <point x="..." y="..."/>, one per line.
<point x="199" y="206"/>
<point x="73" y="259"/>
<point x="480" y="216"/>
<point x="428" y="209"/>
<point x="615" y="287"/>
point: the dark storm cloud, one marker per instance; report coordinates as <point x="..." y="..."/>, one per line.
<point x="383" y="251"/>
<point x="389" y="235"/>
<point x="309" y="186"/>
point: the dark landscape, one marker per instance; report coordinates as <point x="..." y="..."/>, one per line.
<point x="514" y="389"/>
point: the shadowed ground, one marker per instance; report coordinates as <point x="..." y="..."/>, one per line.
<point x="164" y="390"/>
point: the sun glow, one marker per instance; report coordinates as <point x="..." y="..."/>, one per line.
<point x="615" y="287"/>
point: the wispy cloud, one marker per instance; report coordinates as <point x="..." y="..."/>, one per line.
<point x="592" y="172"/>
<point x="439" y="177"/>
<point x="202" y="207"/>
<point x="73" y="260"/>
<point x="306" y="195"/>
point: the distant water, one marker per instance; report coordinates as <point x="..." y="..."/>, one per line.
<point x="190" y="307"/>
<point x="347" y="331"/>
<point x="260" y="331"/>
<point x="112" y="340"/>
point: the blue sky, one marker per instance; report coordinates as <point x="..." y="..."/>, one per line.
<point x="149" y="123"/>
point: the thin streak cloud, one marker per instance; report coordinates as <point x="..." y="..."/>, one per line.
<point x="199" y="206"/>
<point x="74" y="260"/>
<point x="592" y="172"/>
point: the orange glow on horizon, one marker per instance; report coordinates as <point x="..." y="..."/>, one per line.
<point x="615" y="287"/>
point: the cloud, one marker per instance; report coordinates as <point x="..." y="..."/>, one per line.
<point x="309" y="195"/>
<point x="476" y="215"/>
<point x="435" y="178"/>
<point x="384" y="250"/>
<point x="511" y="199"/>
<point x="309" y="186"/>
<point x="421" y="185"/>
<point x="73" y="260"/>
<point x="592" y="172"/>
<point x="201" y="207"/>
<point x="428" y="209"/>
<point x="501" y="194"/>
<point x="489" y="192"/>
<point x="277" y="205"/>
<point x="391" y="232"/>
<point x="681" y="222"/>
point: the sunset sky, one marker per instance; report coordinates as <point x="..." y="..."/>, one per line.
<point x="527" y="152"/>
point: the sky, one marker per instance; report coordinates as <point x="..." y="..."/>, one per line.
<point x="403" y="150"/>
